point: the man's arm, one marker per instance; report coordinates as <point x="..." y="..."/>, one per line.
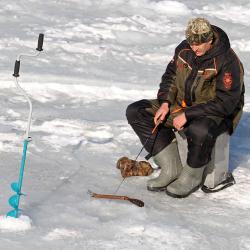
<point x="167" y="91"/>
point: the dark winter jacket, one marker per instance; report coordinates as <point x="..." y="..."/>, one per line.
<point x="211" y="85"/>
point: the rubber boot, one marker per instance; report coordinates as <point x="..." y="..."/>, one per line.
<point x="188" y="182"/>
<point x="169" y="161"/>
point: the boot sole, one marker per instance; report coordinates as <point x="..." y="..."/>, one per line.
<point x="157" y="189"/>
<point x="182" y="196"/>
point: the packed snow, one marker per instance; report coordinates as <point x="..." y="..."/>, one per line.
<point x="10" y="224"/>
<point x="99" y="56"/>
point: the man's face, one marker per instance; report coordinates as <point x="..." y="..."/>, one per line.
<point x="201" y="49"/>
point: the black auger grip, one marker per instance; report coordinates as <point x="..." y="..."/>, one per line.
<point x="16" y="68"/>
<point x="40" y="42"/>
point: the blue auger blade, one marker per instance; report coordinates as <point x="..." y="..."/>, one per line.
<point x="14" y="187"/>
<point x="14" y="201"/>
<point x="13" y="213"/>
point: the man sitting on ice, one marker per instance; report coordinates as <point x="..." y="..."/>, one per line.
<point x="201" y="94"/>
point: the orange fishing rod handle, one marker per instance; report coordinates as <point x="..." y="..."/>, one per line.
<point x="156" y="125"/>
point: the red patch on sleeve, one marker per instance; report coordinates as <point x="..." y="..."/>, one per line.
<point x="228" y="80"/>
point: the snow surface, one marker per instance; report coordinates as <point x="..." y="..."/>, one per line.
<point x="99" y="56"/>
<point x="10" y="224"/>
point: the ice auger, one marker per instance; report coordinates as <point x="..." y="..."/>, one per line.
<point x="17" y="186"/>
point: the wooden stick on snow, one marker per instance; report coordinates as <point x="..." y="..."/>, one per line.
<point x="137" y="202"/>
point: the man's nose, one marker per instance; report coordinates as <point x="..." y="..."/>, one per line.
<point x="194" y="48"/>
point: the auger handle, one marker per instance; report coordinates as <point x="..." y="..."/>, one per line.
<point x="39" y="48"/>
<point x="40" y="42"/>
<point x="16" y="69"/>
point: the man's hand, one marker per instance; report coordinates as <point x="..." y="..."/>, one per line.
<point x="179" y="121"/>
<point x="161" y="112"/>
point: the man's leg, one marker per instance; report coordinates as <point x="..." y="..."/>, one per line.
<point x="201" y="136"/>
<point x="140" y="116"/>
<point x="165" y="152"/>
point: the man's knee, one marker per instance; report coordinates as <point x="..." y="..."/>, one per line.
<point x="134" y="109"/>
<point x="131" y="112"/>
<point x="201" y="139"/>
<point x="201" y="130"/>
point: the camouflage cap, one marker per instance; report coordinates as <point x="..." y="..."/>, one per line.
<point x="198" y="31"/>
